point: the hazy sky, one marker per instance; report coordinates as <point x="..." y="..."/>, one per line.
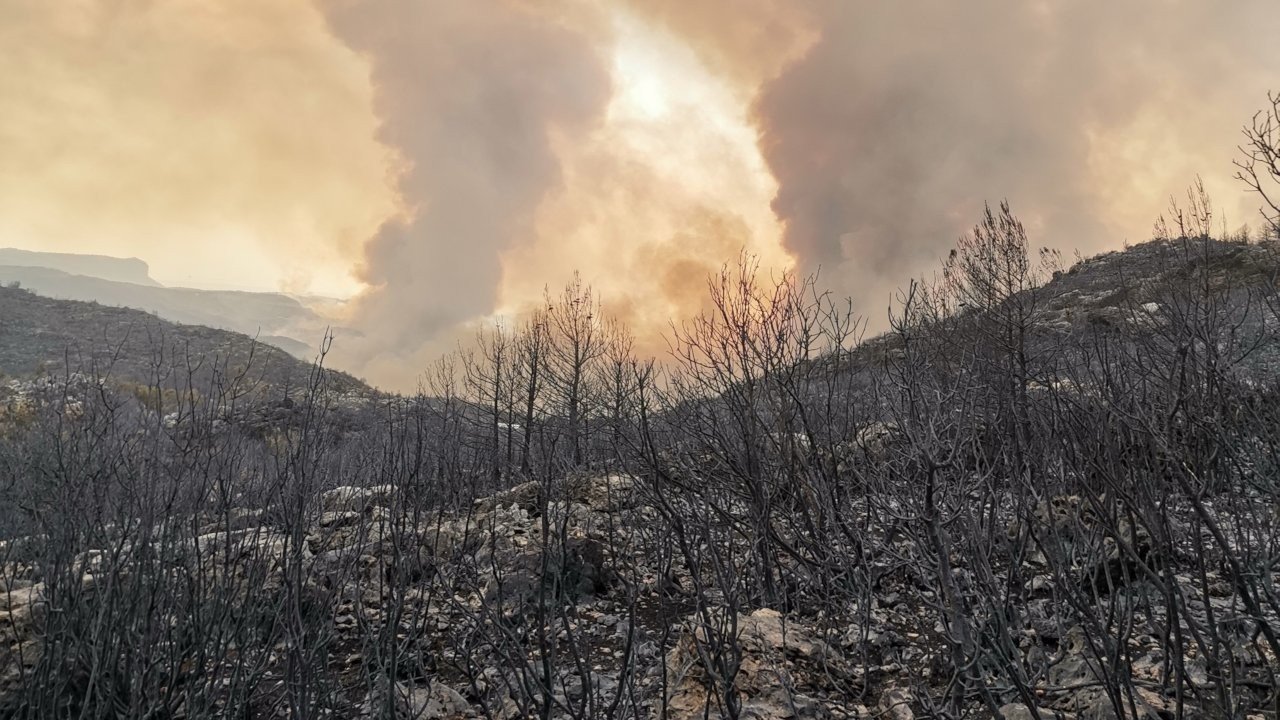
<point x="443" y="160"/>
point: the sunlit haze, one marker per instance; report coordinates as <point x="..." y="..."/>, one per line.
<point x="440" y="163"/>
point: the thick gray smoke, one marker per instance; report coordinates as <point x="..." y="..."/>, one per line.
<point x="469" y="94"/>
<point x="886" y="126"/>
<point x="888" y="135"/>
<point x="889" y="131"/>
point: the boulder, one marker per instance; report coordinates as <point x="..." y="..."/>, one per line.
<point x="783" y="672"/>
<point x="343" y="528"/>
<point x="1069" y="533"/>
<point x="238" y="518"/>
<point x="576" y="569"/>
<point x="876" y="439"/>
<point x="527" y="496"/>
<point x="604" y="493"/>
<point x="896" y="704"/>
<point x="21" y="611"/>
<point x="436" y="701"/>
<point x="358" y="499"/>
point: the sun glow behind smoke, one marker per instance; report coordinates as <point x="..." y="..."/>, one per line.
<point x="668" y="187"/>
<point x="447" y="161"/>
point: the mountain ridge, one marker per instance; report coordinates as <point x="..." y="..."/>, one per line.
<point x="107" y="267"/>
<point x="40" y="334"/>
<point x="276" y="315"/>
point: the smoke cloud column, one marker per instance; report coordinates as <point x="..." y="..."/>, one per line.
<point x="900" y="119"/>
<point x="470" y="95"/>
<point x="644" y="142"/>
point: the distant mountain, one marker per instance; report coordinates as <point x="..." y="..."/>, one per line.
<point x="287" y="323"/>
<point x="47" y="335"/>
<point x="128" y="270"/>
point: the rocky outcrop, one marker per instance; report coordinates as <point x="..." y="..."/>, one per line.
<point x="357" y="499"/>
<point x="604" y="493"/>
<point x="532" y="575"/>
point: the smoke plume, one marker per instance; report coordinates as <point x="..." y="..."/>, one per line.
<point x="451" y="159"/>
<point x="902" y="118"/>
<point x="470" y="96"/>
<point x="648" y="141"/>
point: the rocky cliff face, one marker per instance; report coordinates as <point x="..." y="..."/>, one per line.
<point x="124" y="270"/>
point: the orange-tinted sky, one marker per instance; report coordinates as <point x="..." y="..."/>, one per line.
<point x="226" y="142"/>
<point x="444" y="161"/>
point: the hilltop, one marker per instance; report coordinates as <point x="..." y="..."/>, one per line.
<point x="125" y="270"/>
<point x="42" y="335"/>
<point x="289" y="322"/>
